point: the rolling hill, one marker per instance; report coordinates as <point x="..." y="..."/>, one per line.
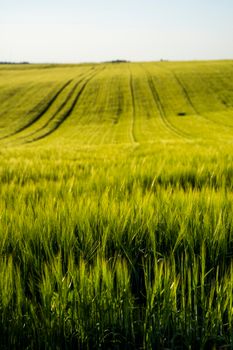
<point x="116" y="206"/>
<point x="117" y="103"/>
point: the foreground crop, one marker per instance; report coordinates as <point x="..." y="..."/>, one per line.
<point x="116" y="247"/>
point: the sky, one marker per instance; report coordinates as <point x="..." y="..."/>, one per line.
<point x="73" y="31"/>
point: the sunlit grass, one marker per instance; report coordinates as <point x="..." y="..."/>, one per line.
<point x="119" y="236"/>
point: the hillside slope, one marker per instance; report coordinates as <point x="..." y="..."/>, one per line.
<point x="116" y="103"/>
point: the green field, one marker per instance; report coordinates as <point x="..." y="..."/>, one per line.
<point x="116" y="206"/>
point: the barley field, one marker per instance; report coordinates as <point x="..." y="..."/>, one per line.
<point x="116" y="206"/>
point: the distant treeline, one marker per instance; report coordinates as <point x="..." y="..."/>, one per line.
<point x="14" y="62"/>
<point x="118" y="61"/>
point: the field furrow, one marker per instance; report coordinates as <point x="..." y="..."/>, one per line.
<point x="51" y="118"/>
<point x="132" y="132"/>
<point x="46" y="107"/>
<point x="210" y="119"/>
<point x="51" y="115"/>
<point x="42" y="122"/>
<point x="60" y="117"/>
<point x="206" y="120"/>
<point x="162" y="112"/>
<point x="185" y="93"/>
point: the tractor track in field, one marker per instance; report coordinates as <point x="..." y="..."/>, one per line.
<point x="69" y="96"/>
<point x="188" y="99"/>
<point x="185" y="93"/>
<point x="58" y="110"/>
<point x="67" y="113"/>
<point x="132" y="132"/>
<point x="162" y="112"/>
<point x="41" y="113"/>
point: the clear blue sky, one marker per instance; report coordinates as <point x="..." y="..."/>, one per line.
<point x="91" y="30"/>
